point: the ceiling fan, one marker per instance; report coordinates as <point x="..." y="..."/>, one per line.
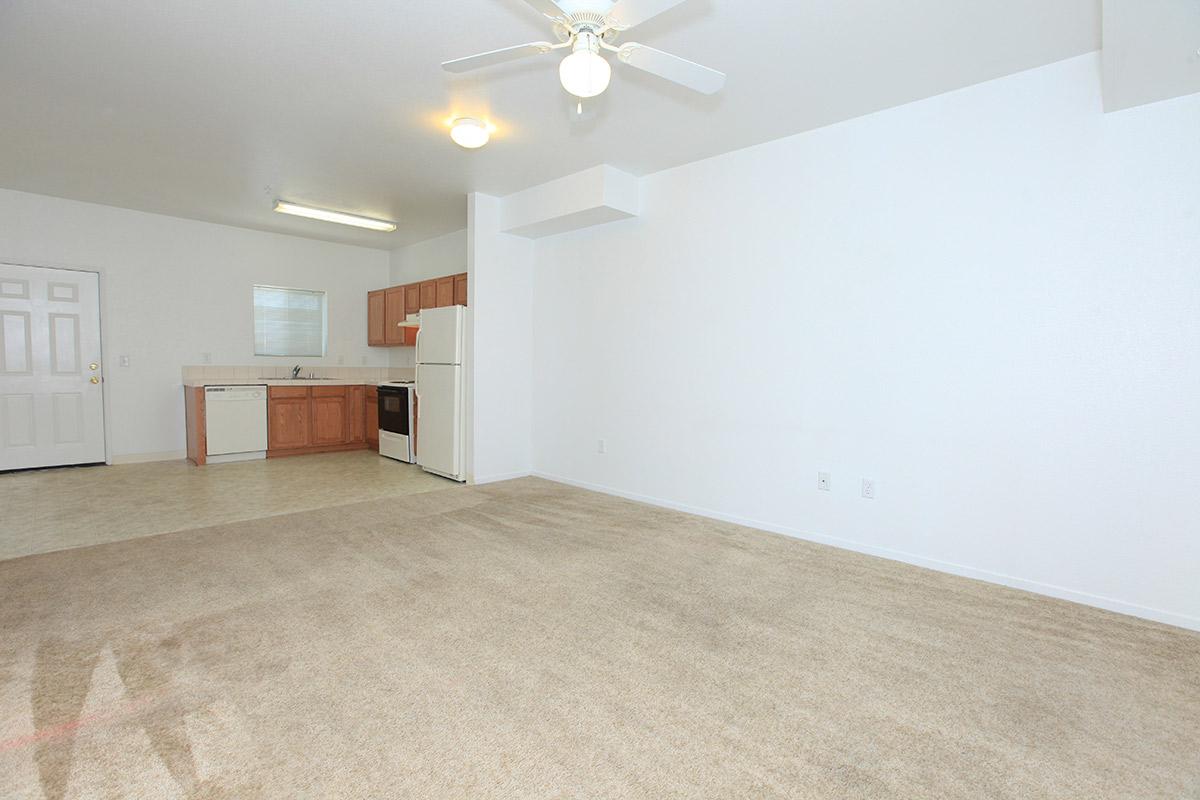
<point x="583" y="27"/>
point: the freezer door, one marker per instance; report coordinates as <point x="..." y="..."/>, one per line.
<point x="440" y="338"/>
<point x="439" y="419"/>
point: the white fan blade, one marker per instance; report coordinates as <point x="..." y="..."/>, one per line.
<point x="550" y="10"/>
<point x="627" y="13"/>
<point x="496" y="57"/>
<point x="673" y="68"/>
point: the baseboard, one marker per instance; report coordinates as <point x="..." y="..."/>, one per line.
<point x="143" y="458"/>
<point x="508" y="476"/>
<point x="1049" y="590"/>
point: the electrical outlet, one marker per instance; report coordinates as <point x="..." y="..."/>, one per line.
<point x="206" y="358"/>
<point x="124" y="361"/>
<point x="868" y="489"/>
<point x="601" y="448"/>
<point x="341" y="360"/>
<point x="823" y="481"/>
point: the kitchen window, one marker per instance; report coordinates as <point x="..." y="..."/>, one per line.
<point x="289" y="322"/>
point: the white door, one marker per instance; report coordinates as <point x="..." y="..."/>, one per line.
<point x="440" y="338"/>
<point x="51" y="404"/>
<point x="439" y="413"/>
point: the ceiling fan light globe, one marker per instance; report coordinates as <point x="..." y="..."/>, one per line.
<point x="584" y="73"/>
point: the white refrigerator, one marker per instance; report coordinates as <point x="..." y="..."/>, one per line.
<point x="441" y="346"/>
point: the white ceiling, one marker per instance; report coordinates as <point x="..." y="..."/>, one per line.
<point x="1150" y="51"/>
<point x="210" y="109"/>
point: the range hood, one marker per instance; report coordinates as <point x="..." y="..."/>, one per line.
<point x="411" y="321"/>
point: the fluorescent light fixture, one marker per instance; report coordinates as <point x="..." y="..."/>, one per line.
<point x="469" y="133"/>
<point x="340" y="217"/>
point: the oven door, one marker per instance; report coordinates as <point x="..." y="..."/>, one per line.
<point x="393" y="409"/>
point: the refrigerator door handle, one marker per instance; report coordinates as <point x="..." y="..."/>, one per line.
<point x="417" y="346"/>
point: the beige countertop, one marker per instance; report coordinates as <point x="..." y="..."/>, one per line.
<point x="267" y="375"/>
<point x="196" y="383"/>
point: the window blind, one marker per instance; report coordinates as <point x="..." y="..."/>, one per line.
<point x="289" y="322"/>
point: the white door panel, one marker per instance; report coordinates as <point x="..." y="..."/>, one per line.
<point x="51" y="402"/>
<point x="439" y="436"/>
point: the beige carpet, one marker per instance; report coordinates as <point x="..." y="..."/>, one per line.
<point x="532" y="640"/>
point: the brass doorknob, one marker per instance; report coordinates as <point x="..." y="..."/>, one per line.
<point x="93" y="366"/>
<point x="95" y="379"/>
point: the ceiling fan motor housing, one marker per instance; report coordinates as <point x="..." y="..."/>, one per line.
<point x="584" y="22"/>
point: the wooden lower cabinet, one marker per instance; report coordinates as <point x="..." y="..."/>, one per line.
<point x="371" y="416"/>
<point x="317" y="419"/>
<point x="355" y="413"/>
<point x="288" y="423"/>
<point x="197" y="424"/>
<point x="330" y="423"/>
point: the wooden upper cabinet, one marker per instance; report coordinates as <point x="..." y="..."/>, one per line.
<point x="445" y="291"/>
<point x="376" y="318"/>
<point x="460" y="289"/>
<point x="428" y="294"/>
<point x="330" y="420"/>
<point x="412" y="304"/>
<point x="394" y="315"/>
<point x="386" y="308"/>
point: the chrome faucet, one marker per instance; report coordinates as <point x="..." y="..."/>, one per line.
<point x="296" y="372"/>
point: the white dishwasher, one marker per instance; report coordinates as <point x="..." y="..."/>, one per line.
<point x="235" y="423"/>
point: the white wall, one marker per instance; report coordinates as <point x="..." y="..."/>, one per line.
<point x="500" y="278"/>
<point x="432" y="258"/>
<point x="988" y="302"/>
<point x="173" y="289"/>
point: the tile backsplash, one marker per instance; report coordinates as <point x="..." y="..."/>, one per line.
<point x="236" y="374"/>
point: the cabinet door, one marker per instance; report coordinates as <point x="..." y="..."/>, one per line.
<point x="355" y="410"/>
<point x="412" y="298"/>
<point x="429" y="294"/>
<point x="287" y="423"/>
<point x="375" y="318"/>
<point x="329" y="418"/>
<point x="394" y="306"/>
<point x="371" y="415"/>
<point x="460" y="289"/>
<point x="445" y="291"/>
